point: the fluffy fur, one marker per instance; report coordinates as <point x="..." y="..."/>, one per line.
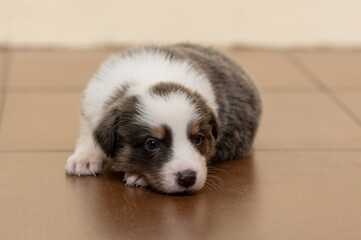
<point x="162" y="114"/>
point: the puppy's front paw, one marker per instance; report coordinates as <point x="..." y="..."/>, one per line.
<point x="83" y="164"/>
<point x="133" y="179"/>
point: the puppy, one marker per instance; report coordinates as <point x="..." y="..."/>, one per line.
<point x="162" y="114"/>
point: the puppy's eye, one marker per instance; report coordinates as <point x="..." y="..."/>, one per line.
<point x="152" y="145"/>
<point x="198" y="139"/>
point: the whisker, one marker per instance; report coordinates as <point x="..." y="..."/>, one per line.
<point x="214" y="169"/>
<point x="211" y="188"/>
<point x="206" y="188"/>
<point x="212" y="184"/>
<point x="215" y="178"/>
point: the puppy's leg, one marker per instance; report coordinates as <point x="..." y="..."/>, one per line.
<point x="88" y="157"/>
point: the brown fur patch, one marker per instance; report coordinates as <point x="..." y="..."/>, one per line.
<point x="193" y="128"/>
<point x="123" y="153"/>
<point x="207" y="145"/>
<point x="158" y="132"/>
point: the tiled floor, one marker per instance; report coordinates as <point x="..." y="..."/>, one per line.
<point x="302" y="182"/>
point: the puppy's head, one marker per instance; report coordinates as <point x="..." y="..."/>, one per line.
<point x="166" y="134"/>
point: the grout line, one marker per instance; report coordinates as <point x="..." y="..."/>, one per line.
<point x="308" y="74"/>
<point x="306" y="150"/>
<point x="61" y="90"/>
<point x="37" y="151"/>
<point x="322" y="87"/>
<point x="347" y="90"/>
<point x="4" y="81"/>
<point x="44" y="90"/>
<point x="287" y="90"/>
<point x="254" y="150"/>
<point x="99" y="48"/>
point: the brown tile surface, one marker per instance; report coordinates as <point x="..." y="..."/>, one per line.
<point x="336" y="69"/>
<point x="290" y="121"/>
<point x="2" y="62"/>
<point x="305" y="121"/>
<point x="54" y="69"/>
<point x="41" y="121"/>
<point x="352" y="101"/>
<point x="289" y="189"/>
<point x="274" y="195"/>
<point x="271" y="70"/>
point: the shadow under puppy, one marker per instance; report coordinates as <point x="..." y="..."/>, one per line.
<point x="162" y="114"/>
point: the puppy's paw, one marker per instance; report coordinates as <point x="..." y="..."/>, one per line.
<point x="83" y="164"/>
<point x="133" y="179"/>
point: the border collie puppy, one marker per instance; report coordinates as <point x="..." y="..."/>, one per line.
<point x="162" y="114"/>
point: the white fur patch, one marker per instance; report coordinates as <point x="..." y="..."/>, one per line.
<point x="176" y="111"/>
<point x="88" y="157"/>
<point x="185" y="158"/>
<point x="140" y="70"/>
<point x="132" y="179"/>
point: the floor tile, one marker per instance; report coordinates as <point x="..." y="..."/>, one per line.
<point x="293" y="195"/>
<point x="2" y="62"/>
<point x="352" y="101"/>
<point x="42" y="121"/>
<point x="305" y="121"/>
<point x="271" y="70"/>
<point x="290" y="121"/>
<point x="336" y="69"/>
<point x="54" y="69"/>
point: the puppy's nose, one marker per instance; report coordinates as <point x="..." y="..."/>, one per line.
<point x="186" y="178"/>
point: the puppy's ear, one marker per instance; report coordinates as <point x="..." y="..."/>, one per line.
<point x="106" y="134"/>
<point x="214" y="124"/>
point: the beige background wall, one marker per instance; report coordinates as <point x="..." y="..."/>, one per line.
<point x="264" y="23"/>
